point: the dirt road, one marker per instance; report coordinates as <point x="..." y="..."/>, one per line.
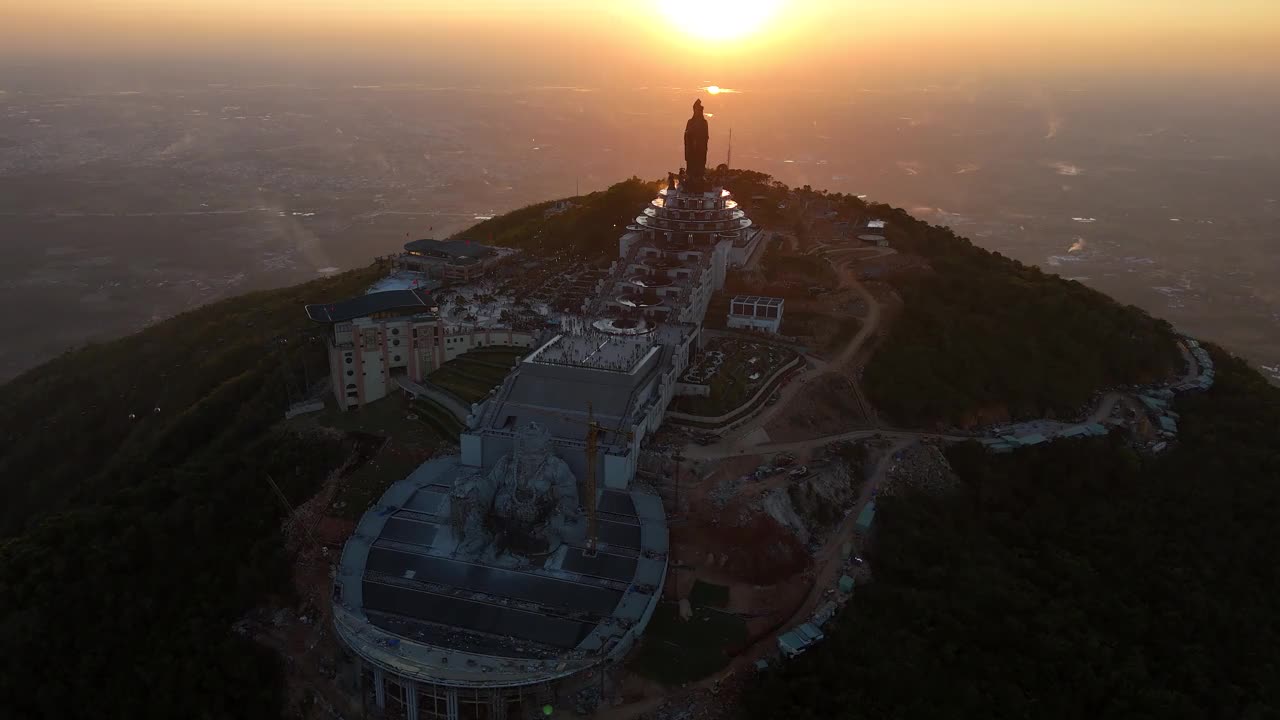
<point x="737" y="441"/>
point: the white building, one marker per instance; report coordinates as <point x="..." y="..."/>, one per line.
<point x="376" y="336"/>
<point x="752" y="312"/>
<point x="677" y="252"/>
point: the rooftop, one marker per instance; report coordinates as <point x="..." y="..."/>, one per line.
<point x="405" y="600"/>
<point x="758" y="300"/>
<point x="365" y="305"/>
<point x="595" y="350"/>
<point x="867" y="516"/>
<point x="455" y="249"/>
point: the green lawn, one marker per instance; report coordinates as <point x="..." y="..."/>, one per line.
<point x="472" y="375"/>
<point x="709" y="594"/>
<point x="410" y="443"/>
<point x="494" y="352"/>
<point x="436" y="417"/>
<point x="464" y="386"/>
<point x="675" y="651"/>
<point x="731" y="386"/>
<point x="364" y="486"/>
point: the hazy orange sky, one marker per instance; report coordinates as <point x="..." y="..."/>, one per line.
<point x="631" y="41"/>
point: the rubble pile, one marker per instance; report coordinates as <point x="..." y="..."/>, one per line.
<point x="699" y="704"/>
<point x="587" y="700"/>
<point x="726" y="490"/>
<point x="920" y="467"/>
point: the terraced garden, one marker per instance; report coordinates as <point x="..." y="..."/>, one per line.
<point x="675" y="651"/>
<point x="472" y="375"/>
<point x="734" y="369"/>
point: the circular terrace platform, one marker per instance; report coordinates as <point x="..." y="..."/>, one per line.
<point x="651" y="281"/>
<point x="640" y="302"/>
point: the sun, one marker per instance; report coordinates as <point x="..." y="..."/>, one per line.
<point x="719" y="20"/>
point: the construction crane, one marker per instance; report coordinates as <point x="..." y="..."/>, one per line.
<point x="594" y="429"/>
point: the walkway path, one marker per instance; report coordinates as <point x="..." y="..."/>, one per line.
<point x="447" y="401"/>
<point x="737" y="441"/>
<point x="829" y="562"/>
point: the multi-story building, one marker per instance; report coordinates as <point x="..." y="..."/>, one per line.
<point x="678" y="251"/>
<point x="753" y="312"/>
<point x="456" y="261"/>
<point x="374" y="337"/>
<point x="482" y="581"/>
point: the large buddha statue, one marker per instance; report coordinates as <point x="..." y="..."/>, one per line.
<point x="695" y="144"/>
<point x="527" y="503"/>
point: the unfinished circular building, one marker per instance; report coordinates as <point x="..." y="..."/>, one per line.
<point x="484" y="583"/>
<point x="472" y="594"/>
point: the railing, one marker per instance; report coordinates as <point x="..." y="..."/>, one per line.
<point x="745" y="408"/>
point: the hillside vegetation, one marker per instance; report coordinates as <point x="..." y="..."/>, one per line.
<point x="1075" y="580"/>
<point x="590" y="227"/>
<point x="138" y="524"/>
<point x="983" y="334"/>
<point x="134" y="544"/>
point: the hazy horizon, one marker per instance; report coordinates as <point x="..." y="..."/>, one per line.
<point x="157" y="156"/>
<point x="806" y="44"/>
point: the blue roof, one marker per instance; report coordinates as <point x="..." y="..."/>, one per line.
<point x="365" y="305"/>
<point x="867" y="516"/>
<point x="1032" y="439"/>
<point x="810" y="632"/>
<point x="1168" y="424"/>
<point x="1096" y="429"/>
<point x="1152" y="403"/>
<point x="792" y="641"/>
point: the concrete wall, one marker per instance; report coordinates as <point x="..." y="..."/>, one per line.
<point x="366" y="352"/>
<point x="737" y="413"/>
<point x="743" y="322"/>
<point x="720" y="262"/>
<point x="693" y="389"/>
<point x="740" y="256"/>
<point x="472" y="449"/>
<point x="626" y="241"/>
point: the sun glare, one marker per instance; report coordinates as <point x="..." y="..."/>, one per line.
<point x="719" y="20"/>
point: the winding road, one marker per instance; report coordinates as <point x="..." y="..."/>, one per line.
<point x="737" y="441"/>
<point x="746" y="440"/>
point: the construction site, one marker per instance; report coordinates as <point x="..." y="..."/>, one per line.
<point x="494" y="580"/>
<point x="634" y="513"/>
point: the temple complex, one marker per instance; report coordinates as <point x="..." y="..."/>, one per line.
<point x="486" y="579"/>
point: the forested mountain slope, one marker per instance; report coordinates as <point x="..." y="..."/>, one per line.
<point x="1074" y="580"/>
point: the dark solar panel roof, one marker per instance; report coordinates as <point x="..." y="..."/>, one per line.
<point x="473" y="615"/>
<point x="499" y="582"/>
<point x="365" y="305"/>
<point x="531" y="391"/>
<point x="425" y="501"/>
<point x="618" y="534"/>
<point x="439" y="634"/>
<point x="408" y="531"/>
<point x="603" y="565"/>
<point x="618" y="503"/>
